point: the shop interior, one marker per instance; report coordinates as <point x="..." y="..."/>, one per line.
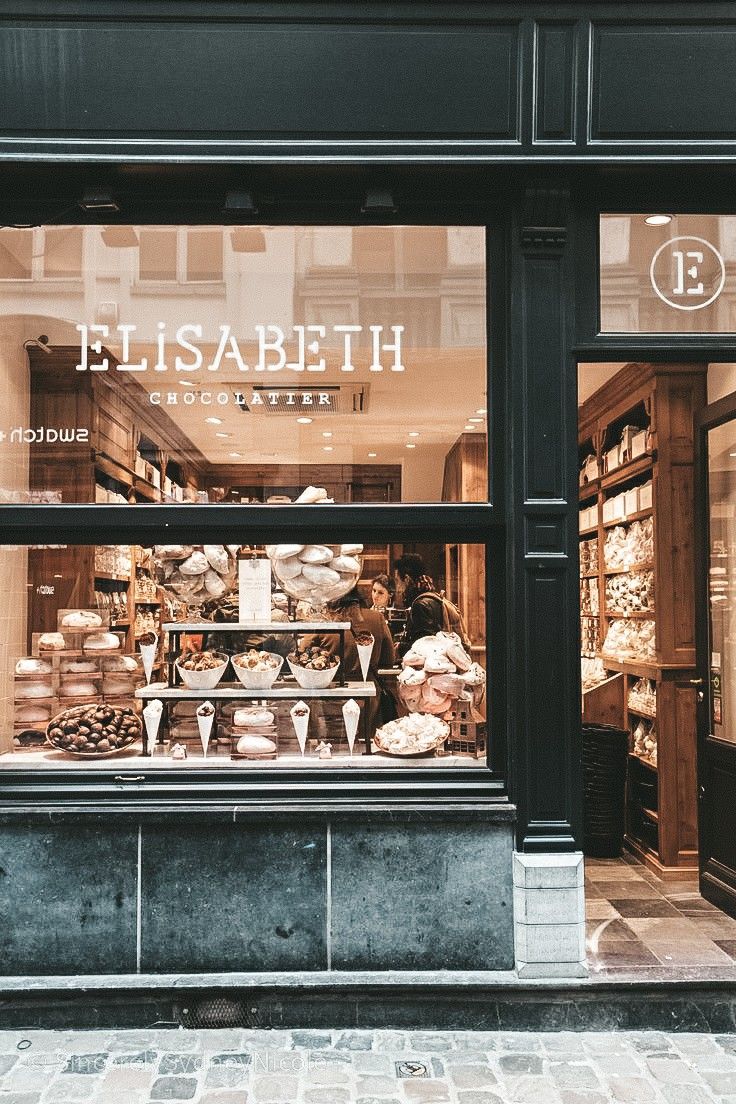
<point x="640" y="509"/>
<point x="243" y="365"/>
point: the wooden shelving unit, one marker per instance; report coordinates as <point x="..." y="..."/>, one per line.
<point x="661" y="813"/>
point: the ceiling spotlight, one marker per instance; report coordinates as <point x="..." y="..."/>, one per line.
<point x="240" y="203"/>
<point x="413" y="433"/>
<point x="475" y="420"/>
<point x="223" y="435"/>
<point x="411" y="446"/>
<point x="658" y="220"/>
<point x="213" y="421"/>
<point x="236" y="455"/>
<point x="304" y="421"/>
<point x="482" y="411"/>
<point x="327" y="433"/>
<point x="327" y="448"/>
<point x="378" y="201"/>
<point x="372" y="454"/>
<point x="469" y="428"/>
<point x="186" y="383"/>
<point x="98" y="200"/>
<point x="248" y="239"/>
<point x="120" y="237"/>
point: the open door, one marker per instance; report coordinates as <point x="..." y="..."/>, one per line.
<point x="716" y="533"/>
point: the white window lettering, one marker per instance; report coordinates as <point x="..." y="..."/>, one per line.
<point x="189" y="398"/>
<point x="276" y="345"/>
<point x="95" y="346"/>
<point x="386" y="347"/>
<point x="126" y="365"/>
<point x="693" y="271"/>
<point x="155" y="398"/>
<point x="160" y="365"/>
<point x="313" y="347"/>
<point x="324" y="399"/>
<point x="181" y="365"/>
<point x="172" y="398"/>
<point x="228" y="348"/>
<point x="347" y="356"/>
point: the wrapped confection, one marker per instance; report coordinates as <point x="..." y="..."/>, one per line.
<point x="316" y="554"/>
<point x="81" y="619"/>
<point x="104" y="641"/>
<point x="627" y="639"/>
<point x="34" y="690"/>
<point x="78" y="666"/>
<point x="196" y="564"/>
<point x="217" y="557"/>
<point x="52" y="642"/>
<point x="32" y="666"/>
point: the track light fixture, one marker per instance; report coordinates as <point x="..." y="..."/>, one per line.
<point x="99" y="200"/>
<point x="240" y="203"/>
<point x="378" y="201"/>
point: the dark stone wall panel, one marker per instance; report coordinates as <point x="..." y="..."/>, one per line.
<point x="247" y="897"/>
<point x="68" y="898"/>
<point x="421" y="893"/>
<point x="669" y="82"/>
<point x="240" y="79"/>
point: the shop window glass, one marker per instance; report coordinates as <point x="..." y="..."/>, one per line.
<point x="664" y="273"/>
<point x="351" y="359"/>
<point x="16" y="254"/>
<point x="62" y="258"/>
<point x="129" y="657"/>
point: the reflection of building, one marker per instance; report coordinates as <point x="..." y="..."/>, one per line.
<point x="629" y="302"/>
<point x="428" y="279"/>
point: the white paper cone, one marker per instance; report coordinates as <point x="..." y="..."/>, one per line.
<point x="205" y="727"/>
<point x="351" y="716"/>
<point x="148" y="658"/>
<point x="300" y="721"/>
<point x="365" y="651"/>
<point x="152" y="717"/>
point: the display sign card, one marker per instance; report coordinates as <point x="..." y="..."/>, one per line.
<point x="254" y="590"/>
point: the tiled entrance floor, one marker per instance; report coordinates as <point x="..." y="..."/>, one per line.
<point x="640" y="926"/>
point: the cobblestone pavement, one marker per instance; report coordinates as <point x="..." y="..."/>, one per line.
<point x="364" y="1067"/>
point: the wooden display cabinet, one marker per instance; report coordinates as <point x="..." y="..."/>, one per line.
<point x="659" y="402"/>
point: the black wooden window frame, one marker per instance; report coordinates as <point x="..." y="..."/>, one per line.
<point x="473" y="523"/>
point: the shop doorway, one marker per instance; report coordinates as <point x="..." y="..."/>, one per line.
<point x="716" y="675"/>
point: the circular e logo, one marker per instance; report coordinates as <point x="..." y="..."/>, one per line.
<point x="687" y="273"/>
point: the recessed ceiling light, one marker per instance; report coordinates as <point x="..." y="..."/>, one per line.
<point x="236" y="455"/>
<point x="469" y="428"/>
<point x="481" y="410"/>
<point x="732" y="454"/>
<point x="327" y="433"/>
<point x="413" y="433"/>
<point x="304" y="421"/>
<point x="658" y="220"/>
<point x="213" y="421"/>
<point x="223" y="435"/>
<point x="373" y="454"/>
<point x="476" y="420"/>
<point x="411" y="446"/>
<point x="327" y="448"/>
<point x="186" y="383"/>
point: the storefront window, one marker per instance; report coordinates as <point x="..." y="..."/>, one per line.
<point x="664" y="273"/>
<point x="242" y="364"/>
<point x="243" y="656"/>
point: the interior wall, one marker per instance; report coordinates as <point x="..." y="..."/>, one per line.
<point x="721" y="381"/>
<point x="13" y="487"/>
<point x="421" y="473"/>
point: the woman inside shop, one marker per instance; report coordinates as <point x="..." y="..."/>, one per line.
<point x="429" y="611"/>
<point x="382" y="592"/>
<point x="353" y="608"/>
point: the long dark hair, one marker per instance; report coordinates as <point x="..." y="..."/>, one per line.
<point x="352" y="598"/>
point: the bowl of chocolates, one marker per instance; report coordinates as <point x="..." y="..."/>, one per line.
<point x="313" y="668"/>
<point x="257" y="670"/>
<point x="93" y="731"/>
<point x="202" y="670"/>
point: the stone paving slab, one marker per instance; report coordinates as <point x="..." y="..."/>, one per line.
<point x="365" y="1067"/>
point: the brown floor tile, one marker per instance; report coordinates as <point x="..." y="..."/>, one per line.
<point x="613" y="930"/>
<point x="668" y="929"/>
<point x="694" y="904"/>
<point x="727" y="945"/>
<point x="624" y="953"/>
<point x="612" y="873"/>
<point x="715" y="927"/>
<point x="644" y="908"/>
<point x="638" y="889"/>
<point x="599" y="909"/>
<point x="690" y="954"/>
